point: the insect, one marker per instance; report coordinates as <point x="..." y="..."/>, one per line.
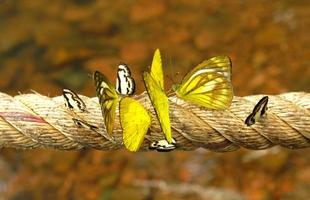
<point x="259" y="110"/>
<point x="108" y="99"/>
<point x="125" y="84"/>
<point x="208" y="84"/>
<point x="154" y="83"/>
<point x="134" y="118"/>
<point x="80" y="123"/>
<point x="135" y="122"/>
<point x="73" y="101"/>
<point x="163" y="145"/>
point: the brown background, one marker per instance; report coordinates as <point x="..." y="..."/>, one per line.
<point x="49" y="45"/>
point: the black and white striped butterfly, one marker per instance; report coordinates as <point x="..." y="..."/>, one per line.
<point x="125" y="84"/>
<point x="163" y="145"/>
<point x="73" y="101"/>
<point x="259" y="110"/>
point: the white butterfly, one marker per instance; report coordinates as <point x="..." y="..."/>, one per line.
<point x="259" y="110"/>
<point x="125" y="84"/>
<point x="163" y="145"/>
<point x="73" y="101"/>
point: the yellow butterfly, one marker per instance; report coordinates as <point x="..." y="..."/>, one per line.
<point x="209" y="84"/>
<point x="154" y="83"/>
<point x="108" y="99"/>
<point x="134" y="118"/>
<point x="135" y="121"/>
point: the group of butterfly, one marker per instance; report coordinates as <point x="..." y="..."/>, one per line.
<point x="208" y="85"/>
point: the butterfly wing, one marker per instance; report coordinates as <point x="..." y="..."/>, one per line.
<point x="218" y="64"/>
<point x="73" y="101"/>
<point x="157" y="69"/>
<point x="211" y="91"/>
<point x="208" y="84"/>
<point x="135" y="122"/>
<point x="160" y="102"/>
<point x="108" y="100"/>
<point x="125" y="84"/>
<point x="259" y="110"/>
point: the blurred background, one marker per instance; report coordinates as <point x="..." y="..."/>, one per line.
<point x="49" y="45"/>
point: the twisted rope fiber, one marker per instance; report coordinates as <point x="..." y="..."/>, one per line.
<point x="30" y="121"/>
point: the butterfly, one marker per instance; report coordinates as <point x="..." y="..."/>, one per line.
<point x="73" y="101"/>
<point x="163" y="145"/>
<point x="134" y="118"/>
<point x="208" y="84"/>
<point x="125" y="84"/>
<point x="80" y="123"/>
<point x="108" y="99"/>
<point x="154" y="83"/>
<point x="135" y="121"/>
<point x="259" y="110"/>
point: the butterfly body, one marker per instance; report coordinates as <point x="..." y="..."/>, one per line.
<point x="259" y="110"/>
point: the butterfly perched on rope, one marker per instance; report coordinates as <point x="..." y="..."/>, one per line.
<point x="73" y="101"/>
<point x="134" y="119"/>
<point x="154" y="83"/>
<point x="163" y="145"/>
<point x="259" y="110"/>
<point x="108" y="99"/>
<point x="208" y="84"/>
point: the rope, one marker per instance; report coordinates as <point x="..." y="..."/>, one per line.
<point x="30" y="121"/>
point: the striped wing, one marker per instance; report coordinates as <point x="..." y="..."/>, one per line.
<point x="135" y="122"/>
<point x="108" y="100"/>
<point x="218" y="64"/>
<point x="208" y="84"/>
<point x="259" y="110"/>
<point x="211" y="91"/>
<point x="73" y="101"/>
<point x="125" y="84"/>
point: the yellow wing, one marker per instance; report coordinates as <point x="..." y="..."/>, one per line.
<point x="135" y="121"/>
<point x="218" y="64"/>
<point x="208" y="84"/>
<point x="160" y="102"/>
<point x="108" y="100"/>
<point x="154" y="82"/>
<point x="157" y="69"/>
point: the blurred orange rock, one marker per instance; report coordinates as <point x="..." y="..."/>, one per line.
<point x="76" y="14"/>
<point x="205" y="39"/>
<point x="177" y="35"/>
<point x="133" y="52"/>
<point x="146" y="10"/>
<point x="270" y="35"/>
<point x="42" y="85"/>
<point x="62" y="55"/>
<point x="103" y="64"/>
